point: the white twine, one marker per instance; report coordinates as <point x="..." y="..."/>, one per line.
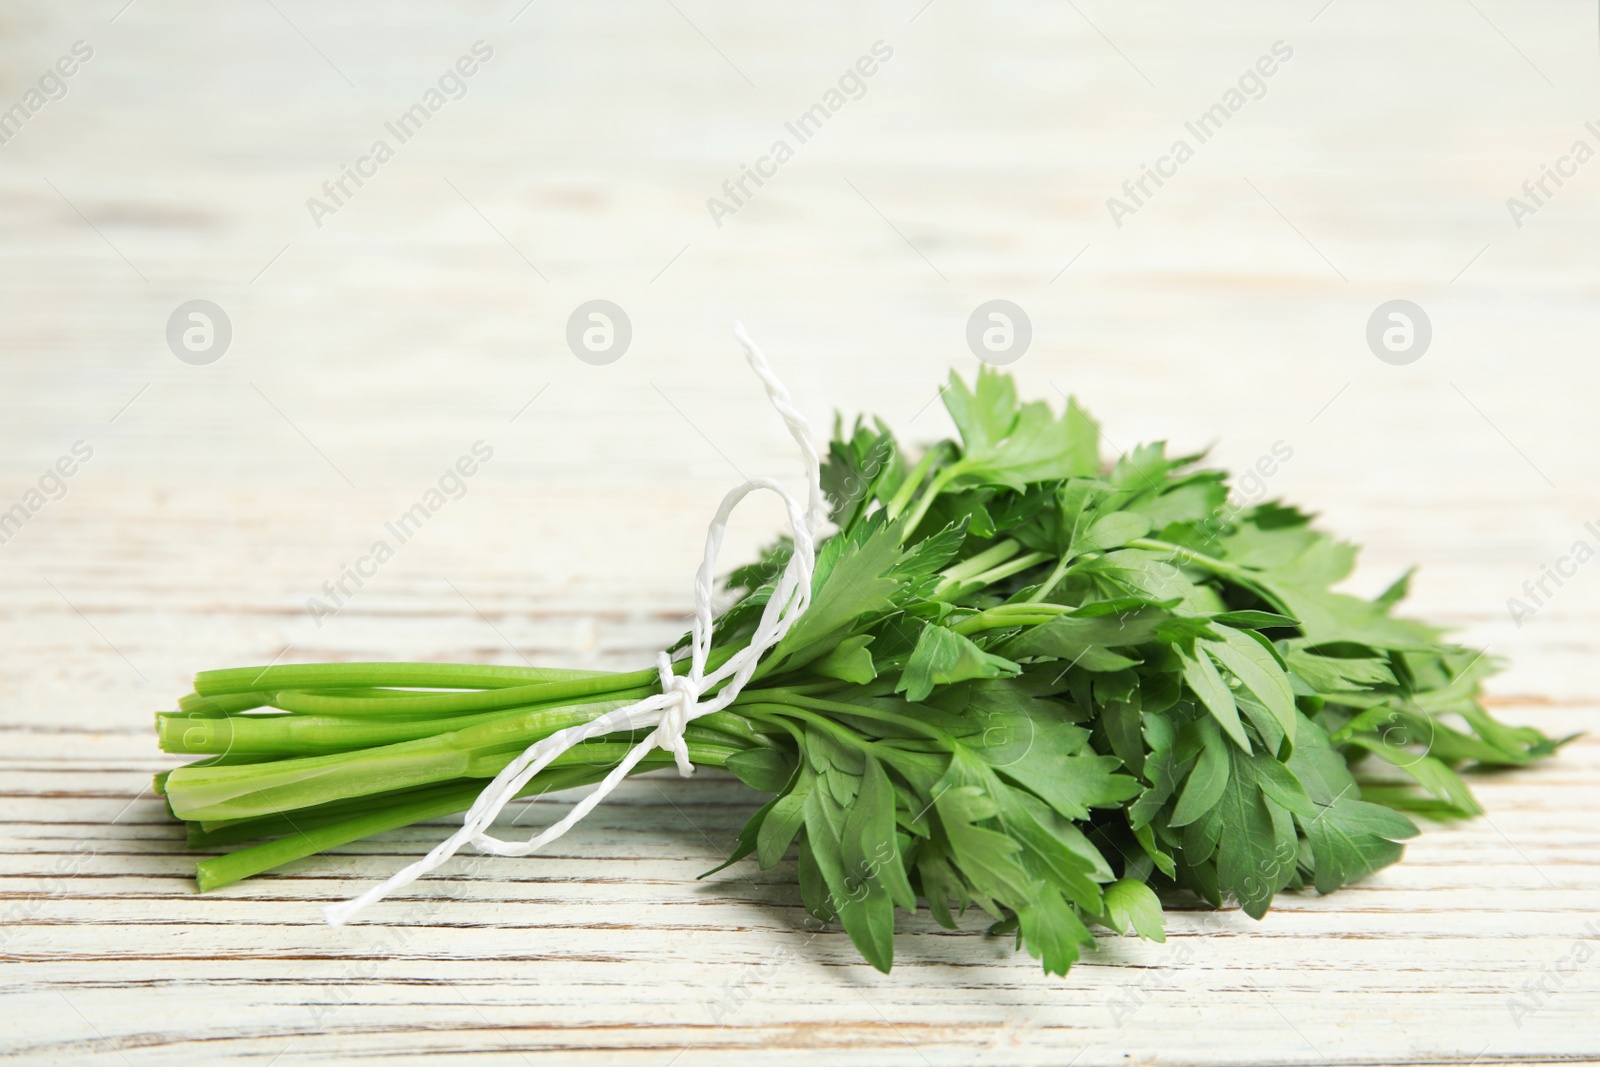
<point x="678" y="703"/>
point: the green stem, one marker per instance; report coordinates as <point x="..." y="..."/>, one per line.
<point x="607" y="753"/>
<point x="1049" y="584"/>
<point x="229" y="704"/>
<point x="1005" y="616"/>
<point x="1007" y="569"/>
<point x="778" y="718"/>
<point x="793" y="699"/>
<point x="412" y="675"/>
<point x="994" y="555"/>
<point x="1220" y="567"/>
<point x="902" y="496"/>
<point x="315" y="835"/>
<point x="940" y="480"/>
<point x="233" y="792"/>
<point x="317" y="703"/>
<point x="735" y="725"/>
<point x="309" y="735"/>
<point x="308" y="841"/>
<point x="961" y="576"/>
<point x="839" y="731"/>
<point x="205" y="834"/>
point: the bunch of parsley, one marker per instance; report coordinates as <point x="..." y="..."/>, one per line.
<point x="1028" y="682"/>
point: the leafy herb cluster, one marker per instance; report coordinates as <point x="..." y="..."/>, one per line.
<point x="1028" y="683"/>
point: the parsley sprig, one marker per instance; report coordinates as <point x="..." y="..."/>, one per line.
<point x="1030" y="683"/>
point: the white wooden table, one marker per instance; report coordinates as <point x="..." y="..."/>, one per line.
<point x="428" y="313"/>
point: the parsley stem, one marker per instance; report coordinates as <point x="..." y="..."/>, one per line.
<point x="778" y="711"/>
<point x="762" y="713"/>
<point x="839" y="731"/>
<point x="306" y="735"/>
<point x="974" y="565"/>
<point x="902" y="496"/>
<point x="311" y="834"/>
<point x="1220" y="567"/>
<point x="552" y="692"/>
<point x="794" y="699"/>
<point x="416" y="675"/>
<point x="1009" y="615"/>
<point x="1010" y="567"/>
<point x="1049" y="584"/>
<point x="242" y="791"/>
<point x="940" y="480"/>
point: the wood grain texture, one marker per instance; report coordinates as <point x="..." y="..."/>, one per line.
<point x="428" y="314"/>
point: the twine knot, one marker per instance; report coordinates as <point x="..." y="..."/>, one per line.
<point x="683" y="693"/>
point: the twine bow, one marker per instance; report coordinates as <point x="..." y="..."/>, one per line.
<point x="682" y="698"/>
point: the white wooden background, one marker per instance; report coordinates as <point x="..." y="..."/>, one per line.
<point x="370" y="353"/>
